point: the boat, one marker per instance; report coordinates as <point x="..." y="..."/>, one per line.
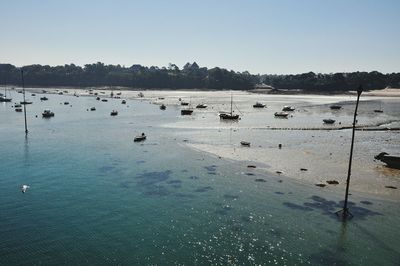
<point x="288" y="109"/>
<point x="201" y="106"/>
<point x="188" y="111"/>
<point x="184" y="103"/>
<point x="329" y="121"/>
<point x="118" y="93"/>
<point x="391" y="161"/>
<point x="281" y="114"/>
<point x="230" y="115"/>
<point x="66" y="103"/>
<point x="18" y="109"/>
<point x="33" y="94"/>
<point x="114" y="113"/>
<point x="44" y="98"/>
<point x="258" y="105"/>
<point x="93" y="109"/>
<point x="245" y="143"/>
<point x="140" y="94"/>
<point x="123" y="102"/>
<point x="4" y="98"/>
<point x="17" y="105"/>
<point x="47" y="113"/>
<point x="60" y="93"/>
<point x="163" y="107"/>
<point x="104" y="100"/>
<point x="25" y="102"/>
<point x="138" y="138"/>
<point x="98" y="98"/>
<point x="378" y="111"/>
<point x="335" y="107"/>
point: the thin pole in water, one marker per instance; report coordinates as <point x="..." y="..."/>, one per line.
<point x="23" y="90"/>
<point x="344" y="213"/>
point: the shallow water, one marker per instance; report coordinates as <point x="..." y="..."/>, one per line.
<point x="97" y="197"/>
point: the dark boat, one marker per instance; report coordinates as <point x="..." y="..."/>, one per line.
<point x="378" y="111"/>
<point x="98" y="98"/>
<point x="123" y="102"/>
<point x="18" y="109"/>
<point x="141" y="137"/>
<point x="184" y="103"/>
<point x="335" y="107"/>
<point x="288" y="109"/>
<point x="44" y="98"/>
<point x="229" y="116"/>
<point x="281" y="114"/>
<point x="4" y="98"/>
<point x="186" y="111"/>
<point x="47" y="113"/>
<point x="93" y="109"/>
<point x="201" y="106"/>
<point x="245" y="143"/>
<point x="141" y="94"/>
<point x="33" y="94"/>
<point x="66" y="103"/>
<point x="104" y="100"/>
<point x="258" y="105"/>
<point x="163" y="107"/>
<point x="114" y="113"/>
<point x="329" y="121"/>
<point x="391" y="161"/>
<point x="25" y="102"/>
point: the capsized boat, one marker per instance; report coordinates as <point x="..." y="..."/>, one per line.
<point x="391" y="161"/>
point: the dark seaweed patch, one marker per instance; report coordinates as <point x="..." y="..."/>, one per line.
<point x="193" y="177"/>
<point x="106" y="168"/>
<point x="231" y="197"/>
<point x="203" y="189"/>
<point x="297" y="207"/>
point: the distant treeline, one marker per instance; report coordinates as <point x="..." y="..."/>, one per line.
<point x="191" y="76"/>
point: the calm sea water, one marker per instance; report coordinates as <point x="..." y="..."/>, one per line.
<point x="97" y="197"/>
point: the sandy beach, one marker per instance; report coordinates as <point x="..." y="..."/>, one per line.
<point x="311" y="156"/>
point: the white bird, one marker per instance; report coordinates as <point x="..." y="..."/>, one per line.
<point x="24" y="188"/>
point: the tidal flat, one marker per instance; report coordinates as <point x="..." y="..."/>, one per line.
<point x="186" y="194"/>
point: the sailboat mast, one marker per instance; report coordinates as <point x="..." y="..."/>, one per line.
<point x="23" y="90"/>
<point x="231" y="103"/>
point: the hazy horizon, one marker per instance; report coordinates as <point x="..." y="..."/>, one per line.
<point x="262" y="37"/>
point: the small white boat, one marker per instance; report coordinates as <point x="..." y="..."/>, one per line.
<point x="141" y="137"/>
<point x="288" y="109"/>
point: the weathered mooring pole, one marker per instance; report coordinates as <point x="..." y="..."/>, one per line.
<point x="345" y="213"/>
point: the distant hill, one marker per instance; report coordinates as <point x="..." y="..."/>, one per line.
<point x="191" y="76"/>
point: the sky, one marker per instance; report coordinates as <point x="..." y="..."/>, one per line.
<point x="259" y="36"/>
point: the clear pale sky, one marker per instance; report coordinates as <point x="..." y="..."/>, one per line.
<point x="265" y="36"/>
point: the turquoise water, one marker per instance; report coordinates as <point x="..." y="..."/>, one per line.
<point x="97" y="197"/>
